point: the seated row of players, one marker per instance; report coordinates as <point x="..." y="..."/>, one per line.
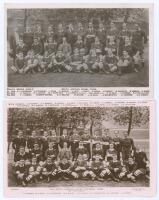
<point x="71" y="158"/>
<point x="94" y="51"/>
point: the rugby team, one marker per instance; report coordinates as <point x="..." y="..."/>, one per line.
<point x="77" y="49"/>
<point x="105" y="156"/>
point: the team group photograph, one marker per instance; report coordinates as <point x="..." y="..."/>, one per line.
<point x="50" y="147"/>
<point x="78" y="47"/>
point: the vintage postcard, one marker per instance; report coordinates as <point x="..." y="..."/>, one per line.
<point x="79" y="51"/>
<point x="84" y="149"/>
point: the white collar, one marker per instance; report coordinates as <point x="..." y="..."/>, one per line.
<point x="22" y="154"/>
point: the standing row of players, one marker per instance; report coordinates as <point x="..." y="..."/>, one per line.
<point x="79" y="50"/>
<point x="77" y="157"/>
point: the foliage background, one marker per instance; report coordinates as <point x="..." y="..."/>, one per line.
<point x="85" y="119"/>
<point x="44" y="17"/>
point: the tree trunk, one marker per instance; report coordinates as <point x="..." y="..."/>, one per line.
<point x="91" y="132"/>
<point x="91" y="128"/>
<point x="25" y="18"/>
<point x="126" y="16"/>
<point x="10" y="133"/>
<point x="107" y="16"/>
<point x="130" y="120"/>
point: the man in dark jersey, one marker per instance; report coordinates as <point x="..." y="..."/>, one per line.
<point x="54" y="138"/>
<point x="85" y="138"/>
<point x="96" y="136"/>
<point x="123" y="34"/>
<point x="58" y="61"/>
<point x="37" y="47"/>
<point x="74" y="141"/>
<point x="90" y="36"/>
<point x="65" y="47"/>
<point x="32" y="140"/>
<point x="139" y="38"/>
<point x="110" y="62"/>
<point x="28" y="38"/>
<point x="80" y="167"/>
<point x="51" y="151"/>
<point x="80" y="30"/>
<point x="128" y="169"/>
<point x="32" y="171"/>
<point x="101" y="34"/>
<point x="32" y="62"/>
<point x="37" y="152"/>
<point x="110" y="152"/>
<point x="115" y="167"/>
<point x="70" y="35"/>
<point x="50" y="170"/>
<point x="117" y="143"/>
<point x="44" y="141"/>
<point x="98" y="150"/>
<point x="112" y="32"/>
<point x="40" y="37"/>
<point x="18" y="141"/>
<point x="19" y="63"/>
<point x="125" y="63"/>
<point x="75" y="61"/>
<point x="64" y="169"/>
<point x="127" y="146"/>
<point x="21" y="154"/>
<point x="21" y="173"/>
<point x="64" y="138"/>
<point x="142" y="163"/>
<point x="97" y="168"/>
<point x="81" y="150"/>
<point x="79" y="44"/>
<point x="51" y="46"/>
<point x="111" y="45"/>
<point x="21" y="47"/>
<point x="50" y="34"/>
<point x="60" y="34"/>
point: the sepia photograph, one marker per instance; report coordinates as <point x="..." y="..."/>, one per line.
<point x="79" y="146"/>
<point x="78" y="47"/>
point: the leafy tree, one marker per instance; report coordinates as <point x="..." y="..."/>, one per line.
<point x="90" y="117"/>
<point x="65" y="16"/>
<point x="131" y="116"/>
<point x="56" y="117"/>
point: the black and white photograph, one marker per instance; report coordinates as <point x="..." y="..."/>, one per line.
<point x="78" y="47"/>
<point x="79" y="146"/>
